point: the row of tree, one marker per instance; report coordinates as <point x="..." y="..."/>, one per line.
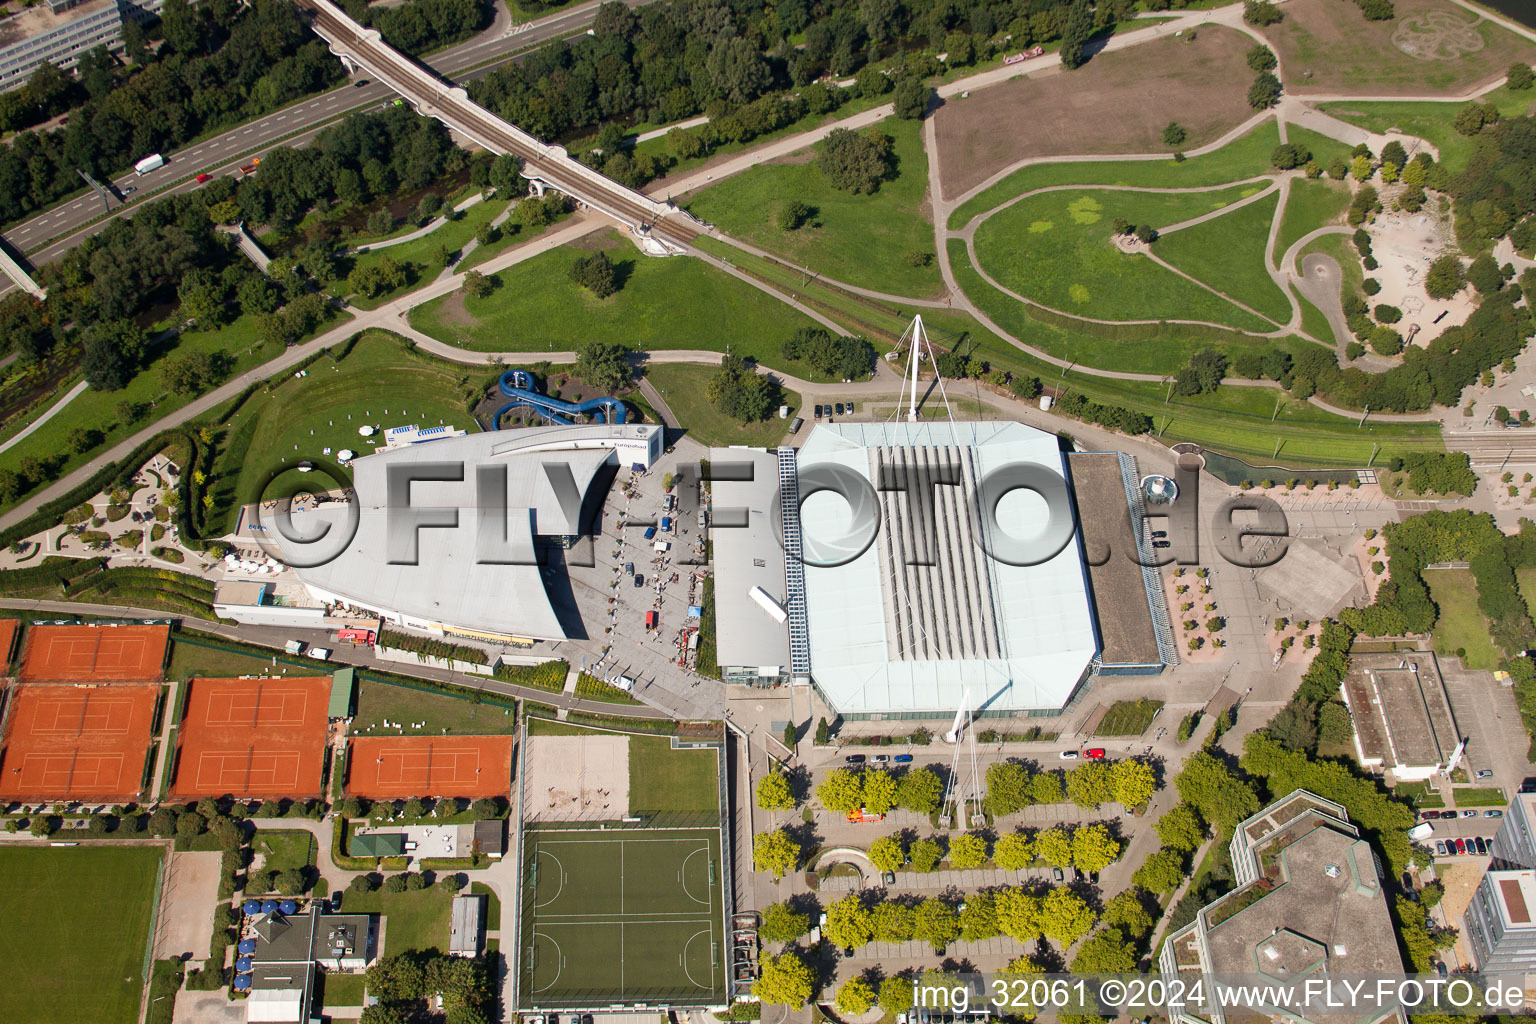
<point x="666" y="62"/>
<point x="1014" y="785"/>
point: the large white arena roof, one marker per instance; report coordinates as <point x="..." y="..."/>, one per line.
<point x="453" y="584"/>
<point x="891" y="637"/>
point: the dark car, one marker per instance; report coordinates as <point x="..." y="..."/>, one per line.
<point x="629" y="567"/>
<point x="902" y="758"/>
<point x="817" y="412"/>
<point x="1161" y="544"/>
<point x="839" y="408"/>
<point x="1440" y="968"/>
<point x="1159" y="534"/>
<point x="854" y="759"/>
<point x="1482" y="844"/>
<point x="639" y="580"/>
<point x="1429" y="815"/>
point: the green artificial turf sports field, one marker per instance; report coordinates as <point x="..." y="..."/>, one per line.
<point x="629" y="916"/>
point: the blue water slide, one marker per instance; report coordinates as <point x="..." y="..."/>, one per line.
<point x="518" y="385"/>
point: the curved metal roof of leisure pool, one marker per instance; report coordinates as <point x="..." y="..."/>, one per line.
<point x="475" y="576"/>
<point x="888" y="636"/>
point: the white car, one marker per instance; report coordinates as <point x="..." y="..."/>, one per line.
<point x="1068" y="755"/>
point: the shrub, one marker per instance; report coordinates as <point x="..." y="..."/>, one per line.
<point x="1261" y="13"/>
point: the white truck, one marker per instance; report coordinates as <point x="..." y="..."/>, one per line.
<point x="153" y="162"/>
<point x="319" y="653"/>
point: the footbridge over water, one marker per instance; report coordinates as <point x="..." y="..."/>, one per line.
<point x="658" y="228"/>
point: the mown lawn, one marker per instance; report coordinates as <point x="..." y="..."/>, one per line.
<point x="422" y="257"/>
<point x="413" y="920"/>
<point x="1242" y="158"/>
<point x="672" y="303"/>
<point x="683" y="387"/>
<point x="1323" y="148"/>
<point x="1472" y="796"/>
<point x="284" y="848"/>
<point x="378" y="382"/>
<point x="1228" y="254"/>
<point x="860" y="239"/>
<point x="1234" y="421"/>
<point x="441" y="713"/>
<point x="1164" y="351"/>
<point x="1461" y="625"/>
<point x="1428" y="120"/>
<point x="1057" y="248"/>
<point x="1311" y="205"/>
<point x="188" y="660"/>
<point x="73" y="932"/>
<point x="103" y="411"/>
<point x="341" y="990"/>
<point x="662" y="779"/>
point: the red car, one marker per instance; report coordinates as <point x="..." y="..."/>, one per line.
<point x="204" y="177"/>
<point x="1461" y="846"/>
<point x="1094" y="753"/>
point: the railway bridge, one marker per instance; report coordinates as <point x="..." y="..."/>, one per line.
<point x="658" y="228"/>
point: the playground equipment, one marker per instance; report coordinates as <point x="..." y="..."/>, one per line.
<point x="519" y="386"/>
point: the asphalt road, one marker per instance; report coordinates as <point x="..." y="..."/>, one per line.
<point x="49" y="235"/>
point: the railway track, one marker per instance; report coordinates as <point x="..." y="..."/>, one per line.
<point x="657" y="227"/>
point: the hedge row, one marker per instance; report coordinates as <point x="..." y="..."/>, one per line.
<point x="54" y="572"/>
<point x="433" y="647"/>
<point x="549" y="675"/>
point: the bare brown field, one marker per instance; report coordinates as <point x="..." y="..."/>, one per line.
<point x="1117" y="103"/>
<point x="1453" y="50"/>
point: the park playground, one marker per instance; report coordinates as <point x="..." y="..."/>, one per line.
<point x="630" y="915"/>
<point x="95" y="654"/>
<point x="252" y="738"/>
<point x="71" y="743"/>
<point x="401" y="767"/>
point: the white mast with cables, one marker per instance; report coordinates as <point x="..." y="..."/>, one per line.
<point x="973" y="791"/>
<point x="919" y="347"/>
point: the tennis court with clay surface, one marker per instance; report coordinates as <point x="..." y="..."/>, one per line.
<point x="386" y="767"/>
<point x="95" y="653"/>
<point x="77" y="742"/>
<point x="252" y="737"/>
